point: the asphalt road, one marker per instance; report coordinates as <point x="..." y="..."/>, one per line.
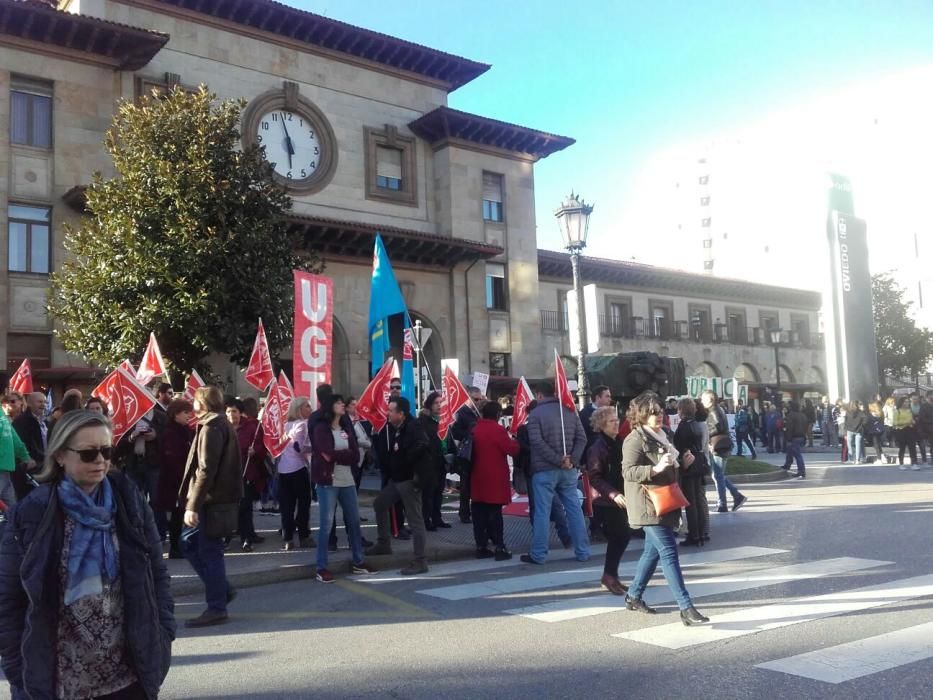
<point x="838" y="569"/>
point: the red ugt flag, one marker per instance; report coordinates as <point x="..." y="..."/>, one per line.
<point x="455" y="397"/>
<point x="259" y="372"/>
<point x="523" y="398"/>
<point x="561" y="387"/>
<point x="285" y="389"/>
<point x="128" y="400"/>
<point x="152" y="365"/>
<point x="21" y="380"/>
<point x="273" y="423"/>
<point x="194" y="383"/>
<point x="373" y="404"/>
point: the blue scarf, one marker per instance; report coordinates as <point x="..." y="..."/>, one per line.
<point x="92" y="555"/>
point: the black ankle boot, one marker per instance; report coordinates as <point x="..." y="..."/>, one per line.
<point x="638" y="605"/>
<point x="691" y="616"/>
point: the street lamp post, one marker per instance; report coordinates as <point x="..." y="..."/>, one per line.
<point x="775" y="336"/>
<point x="573" y="216"/>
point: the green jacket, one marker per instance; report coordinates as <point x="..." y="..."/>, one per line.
<point x="12" y="449"/>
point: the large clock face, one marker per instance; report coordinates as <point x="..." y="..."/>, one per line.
<point x="294" y="148"/>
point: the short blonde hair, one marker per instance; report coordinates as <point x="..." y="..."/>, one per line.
<point x="601" y="417"/>
<point x="65" y="429"/>
<point x="294" y="407"/>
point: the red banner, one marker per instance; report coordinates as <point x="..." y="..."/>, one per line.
<point x="194" y="383"/>
<point x="152" y="365"/>
<point x="455" y="396"/>
<point x="373" y="404"/>
<point x="313" y="340"/>
<point x="259" y="372"/>
<point x="21" y="380"/>
<point x="127" y="398"/>
<point x="523" y="397"/>
<point x="285" y="389"/>
<point x="561" y="388"/>
<point x="273" y="423"/>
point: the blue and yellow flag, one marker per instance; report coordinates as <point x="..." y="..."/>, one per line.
<point x="385" y="300"/>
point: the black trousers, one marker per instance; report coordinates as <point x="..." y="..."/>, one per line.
<point x="487" y="524"/>
<point x="295" y="503"/>
<point x="245" y="526"/>
<point x="613" y="521"/>
<point x="876" y="441"/>
<point x="431" y="501"/>
<point x="175" y="524"/>
<point x="697" y="515"/>
<point x="906" y="440"/>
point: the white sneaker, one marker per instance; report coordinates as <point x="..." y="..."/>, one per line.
<point x="903" y="467"/>
<point x="915" y="467"/>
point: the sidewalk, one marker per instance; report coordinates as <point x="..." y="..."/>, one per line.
<point x="267" y="563"/>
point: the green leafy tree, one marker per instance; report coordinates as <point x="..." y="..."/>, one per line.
<point x="189" y="241"/>
<point x="904" y="350"/>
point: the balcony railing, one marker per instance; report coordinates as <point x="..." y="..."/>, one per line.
<point x="612" y="326"/>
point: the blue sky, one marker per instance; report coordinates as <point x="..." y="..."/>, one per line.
<point x="634" y="80"/>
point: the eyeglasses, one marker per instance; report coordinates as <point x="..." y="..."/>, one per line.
<point x="656" y="412"/>
<point x="90" y="454"/>
<point x="396" y="387"/>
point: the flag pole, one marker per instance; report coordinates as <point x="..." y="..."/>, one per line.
<point x="560" y="405"/>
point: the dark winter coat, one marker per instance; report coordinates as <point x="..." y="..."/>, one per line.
<point x="640" y="453"/>
<point x="249" y="434"/>
<point x="213" y="474"/>
<point x="604" y="469"/>
<point x="175" y="446"/>
<point x="30" y="591"/>
<point x="544" y="436"/>
<point x="855" y="421"/>
<point x="324" y="457"/>
<point x="489" y="478"/>
<point x="438" y="447"/>
<point x="404" y="453"/>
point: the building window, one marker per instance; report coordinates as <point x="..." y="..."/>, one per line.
<point x="388" y="168"/>
<point x="499" y="364"/>
<point x="661" y="319"/>
<point x="391" y="173"/>
<point x="36" y="346"/>
<point x="492" y="197"/>
<point x="30" y="119"/>
<point x="735" y="320"/>
<point x="701" y="323"/>
<point x="28" y="235"/>
<point x="619" y="315"/>
<point x="495" y="287"/>
<point x="801" y="327"/>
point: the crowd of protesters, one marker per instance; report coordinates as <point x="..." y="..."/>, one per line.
<point x="190" y="473"/>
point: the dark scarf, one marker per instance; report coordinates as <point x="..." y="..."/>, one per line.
<point x="92" y="555"/>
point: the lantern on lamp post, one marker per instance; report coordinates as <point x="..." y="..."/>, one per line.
<point x="573" y="216"/>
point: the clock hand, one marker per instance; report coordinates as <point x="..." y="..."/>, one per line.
<point x="288" y="143"/>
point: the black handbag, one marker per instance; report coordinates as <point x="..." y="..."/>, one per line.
<point x="220" y="520"/>
<point x="464" y="459"/>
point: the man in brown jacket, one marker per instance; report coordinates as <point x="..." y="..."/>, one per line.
<point x="212" y="489"/>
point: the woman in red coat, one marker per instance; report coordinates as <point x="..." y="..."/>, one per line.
<point x="490" y="481"/>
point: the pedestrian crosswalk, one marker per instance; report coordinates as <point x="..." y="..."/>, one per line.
<point x="716" y="574"/>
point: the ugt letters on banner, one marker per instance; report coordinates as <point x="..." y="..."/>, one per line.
<point x="313" y="343"/>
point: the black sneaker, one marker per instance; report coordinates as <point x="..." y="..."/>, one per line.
<point x="528" y="560"/>
<point x="483" y="553"/>
<point x="739" y="502"/>
<point x="722" y="509"/>
<point x="691" y="616"/>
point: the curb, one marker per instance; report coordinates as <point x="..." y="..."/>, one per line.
<point x="778" y="475"/>
<point x="283" y="574"/>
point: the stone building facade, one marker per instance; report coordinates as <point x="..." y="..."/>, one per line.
<point x="451" y="193"/>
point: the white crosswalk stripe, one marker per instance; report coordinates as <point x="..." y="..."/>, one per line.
<point x="793" y="612"/>
<point x="862" y="657"/>
<point x="532" y="582"/>
<point x="659" y="594"/>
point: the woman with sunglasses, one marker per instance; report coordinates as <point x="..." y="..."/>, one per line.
<point x="84" y="595"/>
<point x="650" y="460"/>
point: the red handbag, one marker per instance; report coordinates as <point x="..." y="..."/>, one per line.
<point x="666" y="499"/>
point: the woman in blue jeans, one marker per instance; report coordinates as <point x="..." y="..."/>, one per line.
<point x="334" y="455"/>
<point x="649" y="460"/>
